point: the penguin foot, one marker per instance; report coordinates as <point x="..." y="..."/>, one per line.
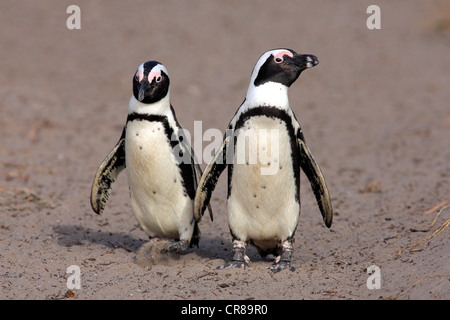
<point x="176" y="247"/>
<point x="281" y="265"/>
<point x="240" y="259"/>
<point x="233" y="264"/>
<point x="284" y="260"/>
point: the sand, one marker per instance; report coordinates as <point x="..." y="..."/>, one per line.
<point x="375" y="113"/>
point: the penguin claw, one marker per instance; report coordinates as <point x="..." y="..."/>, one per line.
<point x="236" y="264"/>
<point x="281" y="265"/>
<point x="239" y="260"/>
<point x="284" y="260"/>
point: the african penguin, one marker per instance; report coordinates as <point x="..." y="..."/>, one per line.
<point x="264" y="149"/>
<point x="161" y="167"/>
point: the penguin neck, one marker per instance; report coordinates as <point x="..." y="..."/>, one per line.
<point x="161" y="107"/>
<point x="272" y="94"/>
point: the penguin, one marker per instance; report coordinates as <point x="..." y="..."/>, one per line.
<point x="161" y="167"/>
<point x="264" y="149"/>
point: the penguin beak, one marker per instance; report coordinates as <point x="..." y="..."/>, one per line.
<point x="305" y="61"/>
<point x="143" y="90"/>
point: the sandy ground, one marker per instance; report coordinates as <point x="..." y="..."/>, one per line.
<point x="375" y="113"/>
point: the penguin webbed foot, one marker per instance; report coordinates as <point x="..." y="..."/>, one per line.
<point x="236" y="264"/>
<point x="240" y="259"/>
<point x="284" y="260"/>
<point x="281" y="265"/>
<point x="176" y="247"/>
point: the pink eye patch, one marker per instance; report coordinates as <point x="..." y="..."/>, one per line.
<point x="280" y="54"/>
<point x="140" y="73"/>
<point x="152" y="75"/>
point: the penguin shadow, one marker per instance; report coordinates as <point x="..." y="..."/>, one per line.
<point x="147" y="251"/>
<point x="76" y="235"/>
<point x="209" y="249"/>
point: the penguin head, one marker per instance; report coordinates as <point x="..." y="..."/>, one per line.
<point x="281" y="66"/>
<point x="151" y="82"/>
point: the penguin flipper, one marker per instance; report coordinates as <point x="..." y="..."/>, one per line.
<point x="209" y="180"/>
<point x="107" y="174"/>
<point x="199" y="176"/>
<point x="312" y="170"/>
<point x="196" y="169"/>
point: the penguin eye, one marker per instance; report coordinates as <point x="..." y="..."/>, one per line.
<point x="278" y="59"/>
<point x="158" y="79"/>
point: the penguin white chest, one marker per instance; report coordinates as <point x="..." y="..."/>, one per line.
<point x="262" y="203"/>
<point x="158" y="198"/>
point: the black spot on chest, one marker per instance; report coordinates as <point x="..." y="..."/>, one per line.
<point x="186" y="169"/>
